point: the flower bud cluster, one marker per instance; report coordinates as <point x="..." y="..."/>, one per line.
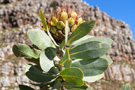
<point x="56" y="24"/>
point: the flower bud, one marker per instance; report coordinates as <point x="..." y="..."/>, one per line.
<point x="73" y="28"/>
<point x="74" y="15"/>
<point x="71" y="22"/>
<point x="59" y="36"/>
<point x="59" y="33"/>
<point x="60" y="25"/>
<point x="80" y="20"/>
<point x="53" y="30"/>
<point x="54" y="21"/>
<point x="64" y="16"/>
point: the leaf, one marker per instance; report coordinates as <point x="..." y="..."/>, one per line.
<point x="66" y="32"/>
<point x="45" y="63"/>
<point x="89" y="50"/>
<point x="82" y="30"/>
<point x="50" y="52"/>
<point x="56" y="85"/>
<point x="108" y="59"/>
<point x="102" y="39"/>
<point x="68" y="63"/>
<point x="66" y="60"/>
<point x="82" y="39"/>
<point x="38" y="76"/>
<point x="24" y="87"/>
<point x="72" y="87"/>
<point x="53" y="70"/>
<point x="43" y="19"/>
<point x="72" y="75"/>
<point x="40" y="39"/>
<point x="90" y="39"/>
<point x="21" y="50"/>
<point x="126" y="87"/>
<point x="91" y="67"/>
<point x="93" y="78"/>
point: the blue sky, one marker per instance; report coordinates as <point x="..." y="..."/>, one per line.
<point x="119" y="9"/>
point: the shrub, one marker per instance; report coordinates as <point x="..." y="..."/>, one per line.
<point x="67" y="64"/>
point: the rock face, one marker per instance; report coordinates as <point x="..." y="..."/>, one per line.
<point x="25" y="15"/>
<point x="12" y="74"/>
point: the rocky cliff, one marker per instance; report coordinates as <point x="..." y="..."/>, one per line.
<point x="19" y="16"/>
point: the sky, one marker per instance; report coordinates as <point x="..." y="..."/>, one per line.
<point x="119" y="9"/>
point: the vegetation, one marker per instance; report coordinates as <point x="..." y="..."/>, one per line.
<point x="65" y="64"/>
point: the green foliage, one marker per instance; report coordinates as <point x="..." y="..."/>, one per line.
<point x="89" y="50"/>
<point x="23" y="87"/>
<point x="44" y="59"/>
<point x="43" y="20"/>
<point x="126" y="87"/>
<point x="40" y="39"/>
<point x="79" y="58"/>
<point x="72" y="87"/>
<point x="91" y="67"/>
<point x="37" y="75"/>
<point x="21" y="50"/>
<point x="72" y="75"/>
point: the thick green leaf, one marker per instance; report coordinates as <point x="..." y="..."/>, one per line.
<point x="24" y="87"/>
<point x="90" y="39"/>
<point x="93" y="78"/>
<point x="40" y="39"/>
<point x="68" y="63"/>
<point x="72" y="75"/>
<point x="102" y="39"/>
<point x="43" y="19"/>
<point x="89" y="50"/>
<point x="91" y="67"/>
<point x="82" y="30"/>
<point x="56" y="85"/>
<point x="50" y="52"/>
<point x="21" y="50"/>
<point x="82" y="39"/>
<point x="66" y="60"/>
<point x="126" y="87"/>
<point x="108" y="59"/>
<point x="53" y="70"/>
<point x="45" y="63"/>
<point x="38" y="76"/>
<point x="72" y="87"/>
